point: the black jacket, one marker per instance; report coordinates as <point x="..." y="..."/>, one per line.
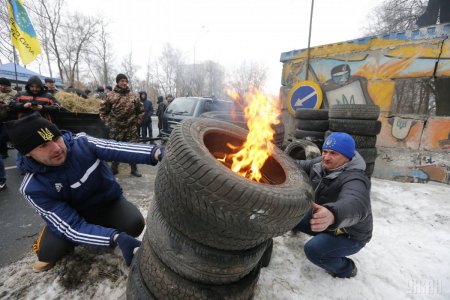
<point x="49" y="103"/>
<point x="346" y="193"/>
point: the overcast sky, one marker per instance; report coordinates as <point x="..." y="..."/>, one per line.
<point x="227" y="32"/>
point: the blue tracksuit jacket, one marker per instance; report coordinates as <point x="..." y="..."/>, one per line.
<point x="60" y="193"/>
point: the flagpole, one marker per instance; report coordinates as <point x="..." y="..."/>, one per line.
<point x="15" y="66"/>
<point x="13" y="52"/>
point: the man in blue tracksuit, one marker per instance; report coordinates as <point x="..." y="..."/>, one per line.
<point x="70" y="185"/>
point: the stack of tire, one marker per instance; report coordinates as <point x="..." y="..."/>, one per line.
<point x="209" y="230"/>
<point x="311" y="124"/>
<point x="360" y="121"/>
<point x="239" y="120"/>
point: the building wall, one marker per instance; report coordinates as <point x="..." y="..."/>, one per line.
<point x="407" y="74"/>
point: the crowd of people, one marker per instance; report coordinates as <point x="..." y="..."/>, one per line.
<point x="68" y="181"/>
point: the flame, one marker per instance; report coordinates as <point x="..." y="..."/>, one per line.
<point x="261" y="112"/>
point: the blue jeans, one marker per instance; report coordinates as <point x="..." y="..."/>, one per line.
<point x="2" y="172"/>
<point x="327" y="250"/>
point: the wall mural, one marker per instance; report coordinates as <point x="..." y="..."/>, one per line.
<point x="407" y="74"/>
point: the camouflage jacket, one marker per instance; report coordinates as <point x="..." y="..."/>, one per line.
<point x="6" y="97"/>
<point x="122" y="110"/>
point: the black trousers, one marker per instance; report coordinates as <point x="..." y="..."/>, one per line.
<point x="122" y="215"/>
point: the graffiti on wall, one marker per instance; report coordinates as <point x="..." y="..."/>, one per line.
<point x="406" y="74"/>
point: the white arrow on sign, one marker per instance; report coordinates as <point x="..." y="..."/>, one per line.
<point x="300" y="101"/>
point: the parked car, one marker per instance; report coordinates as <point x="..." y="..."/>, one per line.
<point x="191" y="107"/>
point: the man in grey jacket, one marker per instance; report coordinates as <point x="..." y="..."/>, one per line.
<point x="340" y="219"/>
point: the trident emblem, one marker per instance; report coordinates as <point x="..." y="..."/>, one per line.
<point x="46" y="134"/>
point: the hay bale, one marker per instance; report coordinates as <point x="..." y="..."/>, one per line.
<point x="77" y="104"/>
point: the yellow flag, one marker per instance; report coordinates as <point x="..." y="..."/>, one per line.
<point x="23" y="36"/>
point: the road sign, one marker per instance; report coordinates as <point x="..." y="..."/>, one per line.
<point x="305" y="94"/>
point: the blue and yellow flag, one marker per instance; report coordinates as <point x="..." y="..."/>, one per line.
<point x="23" y="35"/>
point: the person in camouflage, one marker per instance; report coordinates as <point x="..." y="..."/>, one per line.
<point x="6" y="94"/>
<point x="122" y="112"/>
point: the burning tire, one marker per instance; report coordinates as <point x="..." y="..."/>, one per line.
<point x="239" y="120"/>
<point x="195" y="261"/>
<point x="209" y="203"/>
<point x="166" y="284"/>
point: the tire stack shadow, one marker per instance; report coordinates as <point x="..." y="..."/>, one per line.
<point x="360" y="121"/>
<point x="209" y="230"/>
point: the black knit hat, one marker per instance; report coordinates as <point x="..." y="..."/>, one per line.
<point x="121" y="76"/>
<point x="49" y="80"/>
<point x="31" y="131"/>
<point x="5" y="81"/>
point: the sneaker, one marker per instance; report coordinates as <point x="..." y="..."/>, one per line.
<point x="136" y="174"/>
<point x="2" y="186"/>
<point x="42" y="266"/>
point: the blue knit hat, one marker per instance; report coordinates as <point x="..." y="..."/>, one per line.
<point x="340" y="142"/>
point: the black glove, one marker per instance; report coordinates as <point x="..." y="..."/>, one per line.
<point x="127" y="245"/>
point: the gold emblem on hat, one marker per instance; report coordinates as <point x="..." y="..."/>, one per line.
<point x="46" y="134"/>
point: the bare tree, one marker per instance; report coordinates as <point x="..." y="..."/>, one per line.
<point x="130" y="69"/>
<point x="394" y="16"/>
<point x="247" y="75"/>
<point x="76" y="37"/>
<point x="49" y="15"/>
<point x="101" y="56"/>
<point x="5" y="37"/>
<point x="168" y="68"/>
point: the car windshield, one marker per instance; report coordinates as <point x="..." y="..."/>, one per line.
<point x="182" y="106"/>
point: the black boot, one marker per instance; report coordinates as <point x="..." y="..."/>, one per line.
<point x="134" y="171"/>
<point x="115" y="167"/>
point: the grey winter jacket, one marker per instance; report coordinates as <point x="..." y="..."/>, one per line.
<point x="346" y="193"/>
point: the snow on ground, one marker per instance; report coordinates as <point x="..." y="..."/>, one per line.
<point x="407" y="258"/>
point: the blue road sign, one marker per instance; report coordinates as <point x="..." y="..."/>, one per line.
<point x="305" y="94"/>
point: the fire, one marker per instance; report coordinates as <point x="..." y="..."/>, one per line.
<point x="261" y="111"/>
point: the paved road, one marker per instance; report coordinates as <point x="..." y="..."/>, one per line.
<point x="19" y="223"/>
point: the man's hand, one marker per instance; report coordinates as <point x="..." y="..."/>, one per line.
<point x="321" y="218"/>
<point x="128" y="245"/>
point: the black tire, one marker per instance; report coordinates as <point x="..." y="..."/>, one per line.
<point x="195" y="261"/>
<point x="361" y="141"/>
<point x="265" y="260"/>
<point x="369" y="154"/>
<point x="211" y="204"/>
<point x="239" y="120"/>
<point x="136" y="288"/>
<point x="354" y="111"/>
<point x="313" y="125"/>
<point x="302" y="150"/>
<point x="310" y="135"/>
<point x="369" y="169"/>
<point x="311" y="114"/>
<point x="166" y="284"/>
<point x="358" y="127"/>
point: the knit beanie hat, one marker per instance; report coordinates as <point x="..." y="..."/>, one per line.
<point x="121" y="76"/>
<point x="340" y="142"/>
<point x="5" y="81"/>
<point x="31" y="131"/>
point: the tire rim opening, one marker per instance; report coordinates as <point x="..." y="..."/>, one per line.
<point x="218" y="145"/>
